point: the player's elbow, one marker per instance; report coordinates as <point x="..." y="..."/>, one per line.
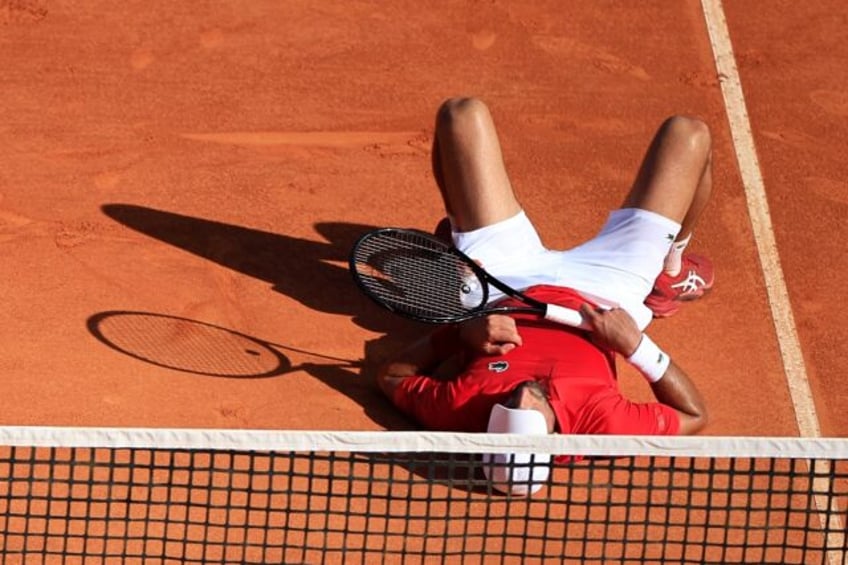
<point x="694" y="421"/>
<point x="386" y="382"/>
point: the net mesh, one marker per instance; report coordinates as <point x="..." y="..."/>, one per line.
<point x="315" y="497"/>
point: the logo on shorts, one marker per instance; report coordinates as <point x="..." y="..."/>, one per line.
<point x="498" y="366"/>
<point x="670" y="237"/>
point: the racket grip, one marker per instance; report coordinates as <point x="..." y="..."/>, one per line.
<point x="565" y="316"/>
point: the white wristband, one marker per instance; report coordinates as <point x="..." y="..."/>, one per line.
<point x="651" y="361"/>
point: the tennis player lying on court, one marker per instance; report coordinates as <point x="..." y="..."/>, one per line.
<point x="522" y="374"/>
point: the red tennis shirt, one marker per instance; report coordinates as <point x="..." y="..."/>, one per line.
<point x="580" y="378"/>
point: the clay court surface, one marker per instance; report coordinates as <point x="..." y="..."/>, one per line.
<point x="180" y="184"/>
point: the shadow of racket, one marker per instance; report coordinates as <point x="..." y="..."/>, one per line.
<point x="196" y="347"/>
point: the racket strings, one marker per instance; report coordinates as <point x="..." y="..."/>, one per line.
<point x="417" y="275"/>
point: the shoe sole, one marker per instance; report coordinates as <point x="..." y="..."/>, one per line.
<point x="674" y="305"/>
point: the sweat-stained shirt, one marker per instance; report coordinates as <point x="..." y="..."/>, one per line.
<point x="580" y="378"/>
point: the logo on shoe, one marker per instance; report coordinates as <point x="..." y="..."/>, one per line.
<point x="690" y="284"/>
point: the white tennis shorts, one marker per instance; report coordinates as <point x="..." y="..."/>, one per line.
<point x="615" y="268"/>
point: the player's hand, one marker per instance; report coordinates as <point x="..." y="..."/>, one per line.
<point x="613" y="329"/>
<point x="495" y="334"/>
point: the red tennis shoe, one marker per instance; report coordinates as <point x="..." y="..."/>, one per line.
<point x="696" y="276"/>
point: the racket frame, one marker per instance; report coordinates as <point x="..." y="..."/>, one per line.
<point x="553" y="312"/>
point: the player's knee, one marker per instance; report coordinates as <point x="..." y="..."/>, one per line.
<point x="459" y="113"/>
<point x="692" y="133"/>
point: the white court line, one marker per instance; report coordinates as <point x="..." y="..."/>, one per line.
<point x="781" y="309"/>
<point x="746" y="154"/>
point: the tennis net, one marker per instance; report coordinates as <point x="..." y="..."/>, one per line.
<point x="86" y="495"/>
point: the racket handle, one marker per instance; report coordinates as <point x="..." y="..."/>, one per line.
<point x="565" y="316"/>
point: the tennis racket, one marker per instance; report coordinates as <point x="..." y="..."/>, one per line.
<point x="419" y="276"/>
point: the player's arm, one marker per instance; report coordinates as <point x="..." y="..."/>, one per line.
<point x="677" y="390"/>
<point x="441" y="353"/>
<point x="616" y="330"/>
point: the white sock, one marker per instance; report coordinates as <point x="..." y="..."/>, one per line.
<point x="675" y="256"/>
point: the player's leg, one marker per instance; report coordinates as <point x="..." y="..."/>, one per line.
<point x="469" y="168"/>
<point x="488" y="223"/>
<point x="675" y="180"/>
